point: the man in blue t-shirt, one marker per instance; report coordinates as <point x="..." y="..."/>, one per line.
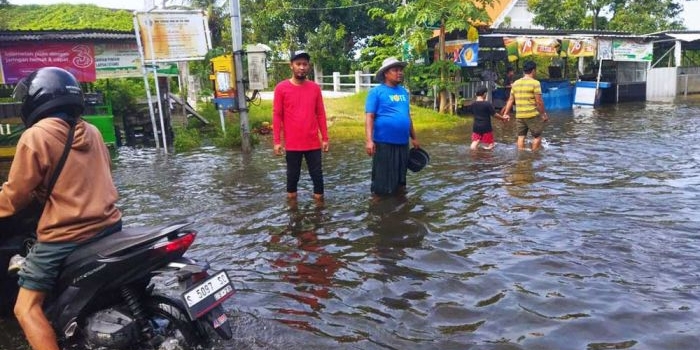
<point x="388" y="127"/>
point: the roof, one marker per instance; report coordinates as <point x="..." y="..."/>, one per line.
<point x="690" y="39"/>
<point x="64" y="35"/>
<point x="494" y="37"/>
<point x="498" y="9"/>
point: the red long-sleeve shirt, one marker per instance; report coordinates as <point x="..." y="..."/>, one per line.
<point x="299" y="114"/>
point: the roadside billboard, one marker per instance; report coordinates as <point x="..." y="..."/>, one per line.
<point x="117" y="60"/>
<point x="173" y="36"/>
<point x="19" y="61"/>
<point x="628" y="50"/>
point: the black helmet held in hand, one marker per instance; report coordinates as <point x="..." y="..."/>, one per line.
<point x="48" y="91"/>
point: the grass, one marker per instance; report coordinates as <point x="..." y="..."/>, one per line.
<point x="346" y="117"/>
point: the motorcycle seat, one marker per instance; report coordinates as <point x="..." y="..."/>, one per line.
<point x="128" y="238"/>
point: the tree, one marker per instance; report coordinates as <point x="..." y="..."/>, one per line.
<point x="646" y="16"/>
<point x="415" y="21"/>
<point x="567" y="14"/>
<point x="635" y="16"/>
<point x="331" y="30"/>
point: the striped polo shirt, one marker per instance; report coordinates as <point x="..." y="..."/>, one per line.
<point x="524" y="91"/>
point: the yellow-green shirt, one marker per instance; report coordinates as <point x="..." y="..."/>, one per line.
<point x="524" y="91"/>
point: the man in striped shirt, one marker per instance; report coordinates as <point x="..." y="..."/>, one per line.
<point x="526" y="94"/>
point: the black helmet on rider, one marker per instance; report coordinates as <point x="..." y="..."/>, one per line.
<point x="49" y="91"/>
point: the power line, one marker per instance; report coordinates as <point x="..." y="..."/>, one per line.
<point x="334" y="8"/>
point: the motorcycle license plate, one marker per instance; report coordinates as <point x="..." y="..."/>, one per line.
<point x="207" y="294"/>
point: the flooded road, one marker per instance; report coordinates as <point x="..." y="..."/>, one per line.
<point x="592" y="243"/>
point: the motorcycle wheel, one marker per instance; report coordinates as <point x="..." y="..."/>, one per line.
<point x="170" y="321"/>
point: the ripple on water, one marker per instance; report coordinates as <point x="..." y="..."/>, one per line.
<point x="591" y="243"/>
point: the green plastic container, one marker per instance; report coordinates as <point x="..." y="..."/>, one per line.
<point x="105" y="124"/>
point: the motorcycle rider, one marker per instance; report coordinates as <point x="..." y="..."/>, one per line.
<point x="81" y="205"/>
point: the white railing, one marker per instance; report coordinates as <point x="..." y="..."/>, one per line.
<point x="360" y="81"/>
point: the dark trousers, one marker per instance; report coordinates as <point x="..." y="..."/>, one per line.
<point x="313" y="162"/>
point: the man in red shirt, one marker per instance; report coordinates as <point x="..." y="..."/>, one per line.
<point x="299" y="116"/>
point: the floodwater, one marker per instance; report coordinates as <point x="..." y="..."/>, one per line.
<point x="591" y="243"/>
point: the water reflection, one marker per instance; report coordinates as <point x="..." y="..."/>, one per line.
<point x="302" y="261"/>
<point x="394" y="232"/>
<point x="591" y="243"/>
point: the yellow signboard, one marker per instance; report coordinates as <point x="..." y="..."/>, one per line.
<point x="224" y="76"/>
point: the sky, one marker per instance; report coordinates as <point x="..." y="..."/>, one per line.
<point x="691" y="7"/>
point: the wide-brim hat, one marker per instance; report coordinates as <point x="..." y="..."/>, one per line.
<point x="418" y="158"/>
<point x="300" y="54"/>
<point x="386" y="64"/>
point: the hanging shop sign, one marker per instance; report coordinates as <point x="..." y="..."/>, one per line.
<point x="526" y="46"/>
<point x="628" y="50"/>
<point x="605" y="49"/>
<point x="468" y="55"/>
<point x="585" y="47"/>
<point x="21" y="60"/>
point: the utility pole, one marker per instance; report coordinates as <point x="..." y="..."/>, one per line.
<point x="236" y="38"/>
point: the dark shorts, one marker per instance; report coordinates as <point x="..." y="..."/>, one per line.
<point x="389" y="168"/>
<point x="535" y="125"/>
<point x="486" y="137"/>
<point x="45" y="260"/>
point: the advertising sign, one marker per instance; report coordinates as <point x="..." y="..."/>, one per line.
<point x="627" y="50"/>
<point x="173" y="36"/>
<point x="77" y="58"/>
<point x="468" y="55"/>
<point x="605" y="49"/>
<point x="526" y="46"/>
<point x="117" y="60"/>
<point x="579" y="47"/>
<point x="2" y="76"/>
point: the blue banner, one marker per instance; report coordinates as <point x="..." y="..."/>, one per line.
<point x="468" y="55"/>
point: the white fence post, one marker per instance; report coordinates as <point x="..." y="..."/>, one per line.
<point x="358" y="81"/>
<point x="336" y="81"/>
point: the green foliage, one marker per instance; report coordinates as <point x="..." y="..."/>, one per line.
<point x="635" y="16"/>
<point x="417" y="19"/>
<point x="123" y="93"/>
<point x="64" y="17"/>
<point x="186" y="139"/>
<point x="378" y="48"/>
<point x="415" y="22"/>
<point x="567" y="14"/>
<point x="647" y="16"/>
<point x="331" y="30"/>
<point x="328" y="46"/>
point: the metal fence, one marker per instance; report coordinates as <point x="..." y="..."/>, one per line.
<point x="689" y="83"/>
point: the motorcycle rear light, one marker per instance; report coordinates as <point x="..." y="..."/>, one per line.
<point x="179" y="244"/>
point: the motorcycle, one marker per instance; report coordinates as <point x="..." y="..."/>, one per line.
<point x="106" y="296"/>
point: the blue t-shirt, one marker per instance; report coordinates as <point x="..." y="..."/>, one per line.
<point x="392" y="121"/>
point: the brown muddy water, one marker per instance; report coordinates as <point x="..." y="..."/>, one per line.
<point x="592" y="243"/>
